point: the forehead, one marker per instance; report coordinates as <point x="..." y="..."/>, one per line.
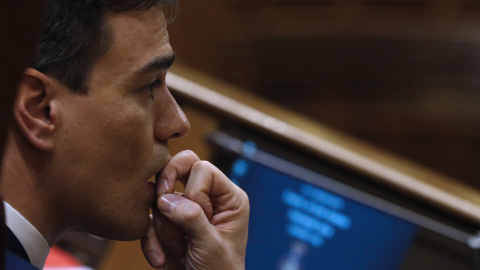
<point x="136" y="38"/>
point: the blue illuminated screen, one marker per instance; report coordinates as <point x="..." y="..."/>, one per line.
<point x="296" y="225"/>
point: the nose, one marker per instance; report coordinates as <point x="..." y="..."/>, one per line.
<point x="172" y="122"/>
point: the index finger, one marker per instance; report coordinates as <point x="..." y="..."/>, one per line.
<point x="177" y="168"/>
<point x="204" y="183"/>
<point x="209" y="187"/>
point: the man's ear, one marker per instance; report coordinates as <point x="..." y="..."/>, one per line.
<point x="33" y="113"/>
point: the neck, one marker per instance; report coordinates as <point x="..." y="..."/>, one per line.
<point x="23" y="185"/>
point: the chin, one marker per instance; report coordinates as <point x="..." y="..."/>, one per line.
<point x="135" y="231"/>
<point x="135" y="225"/>
<point x="121" y="230"/>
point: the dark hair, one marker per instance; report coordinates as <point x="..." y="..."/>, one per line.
<point x="75" y="36"/>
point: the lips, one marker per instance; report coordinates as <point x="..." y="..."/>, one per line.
<point x="160" y="169"/>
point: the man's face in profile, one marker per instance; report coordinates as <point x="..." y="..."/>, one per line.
<point x="114" y="139"/>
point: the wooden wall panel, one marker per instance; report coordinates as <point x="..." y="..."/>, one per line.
<point x="401" y="75"/>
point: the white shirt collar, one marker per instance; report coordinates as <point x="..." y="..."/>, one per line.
<point x="32" y="241"/>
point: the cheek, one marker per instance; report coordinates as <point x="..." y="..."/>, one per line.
<point x="130" y="138"/>
<point x="110" y="139"/>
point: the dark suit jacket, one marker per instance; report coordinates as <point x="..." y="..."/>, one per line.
<point x="16" y="257"/>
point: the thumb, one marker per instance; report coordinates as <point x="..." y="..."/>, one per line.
<point x="187" y="215"/>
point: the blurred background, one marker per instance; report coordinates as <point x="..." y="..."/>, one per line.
<point x="400" y="74"/>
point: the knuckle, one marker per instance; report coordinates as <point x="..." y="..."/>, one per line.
<point x="188" y="153"/>
<point x="243" y="198"/>
<point x="244" y="195"/>
<point x="241" y="193"/>
<point x="202" y="165"/>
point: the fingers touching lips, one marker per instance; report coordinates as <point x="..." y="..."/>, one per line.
<point x="177" y="168"/>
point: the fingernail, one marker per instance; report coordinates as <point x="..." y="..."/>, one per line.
<point x="163" y="187"/>
<point x="155" y="259"/>
<point x="168" y="202"/>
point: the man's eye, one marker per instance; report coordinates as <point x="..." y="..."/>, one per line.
<point x="154" y="86"/>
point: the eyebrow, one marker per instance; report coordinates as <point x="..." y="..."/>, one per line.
<point x="158" y="63"/>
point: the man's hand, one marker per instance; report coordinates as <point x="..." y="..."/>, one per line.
<point x="204" y="228"/>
